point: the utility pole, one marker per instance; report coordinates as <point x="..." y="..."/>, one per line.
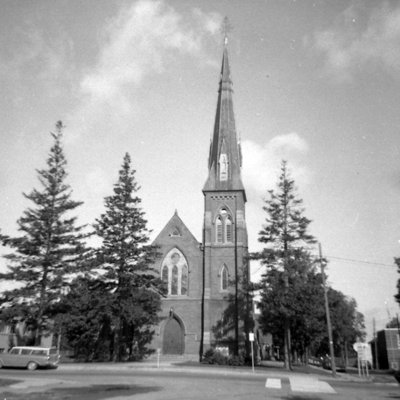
<point x="236" y="349"/>
<point x="375" y="345"/>
<point x="328" y="317"/>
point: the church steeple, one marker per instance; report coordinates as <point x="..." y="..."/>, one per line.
<point x="224" y="163"/>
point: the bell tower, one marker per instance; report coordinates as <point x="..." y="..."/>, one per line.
<point x="225" y="244"/>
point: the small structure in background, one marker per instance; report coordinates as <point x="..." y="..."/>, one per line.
<point x="387" y="350"/>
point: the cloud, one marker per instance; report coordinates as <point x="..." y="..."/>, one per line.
<point x="262" y="162"/>
<point x="143" y="40"/>
<point x="140" y="42"/>
<point x="359" y="39"/>
<point x="260" y="172"/>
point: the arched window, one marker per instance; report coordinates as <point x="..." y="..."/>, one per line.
<point x="175" y="273"/>
<point x="224" y="278"/>
<point x="228" y="229"/>
<point x="224" y="232"/>
<point x="164" y="275"/>
<point x="219" y="231"/>
<point x="174" y="280"/>
<point x="223" y="167"/>
<point x="184" y="280"/>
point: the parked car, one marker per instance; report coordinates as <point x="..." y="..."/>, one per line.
<point x="30" y="357"/>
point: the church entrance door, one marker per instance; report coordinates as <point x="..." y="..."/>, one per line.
<point x="173" y="342"/>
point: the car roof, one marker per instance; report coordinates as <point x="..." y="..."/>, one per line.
<point x="32" y="347"/>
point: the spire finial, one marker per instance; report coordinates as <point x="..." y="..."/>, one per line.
<point x="225" y="29"/>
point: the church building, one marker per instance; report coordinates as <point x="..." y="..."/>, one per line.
<point x="203" y="278"/>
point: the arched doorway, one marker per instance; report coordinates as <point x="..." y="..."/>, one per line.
<point x="173" y="342"/>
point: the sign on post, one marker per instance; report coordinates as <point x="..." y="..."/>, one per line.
<point x="364" y="356"/>
<point x="251" y="339"/>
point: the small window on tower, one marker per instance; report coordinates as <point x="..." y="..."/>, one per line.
<point x="224" y="278"/>
<point x="223" y="167"/>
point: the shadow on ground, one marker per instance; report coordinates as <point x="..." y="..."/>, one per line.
<point x="95" y="392"/>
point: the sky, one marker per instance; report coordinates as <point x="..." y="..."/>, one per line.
<point x="316" y="83"/>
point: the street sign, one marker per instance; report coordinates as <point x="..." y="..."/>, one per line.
<point x="363" y="351"/>
<point x="251" y="337"/>
<point x="364" y="357"/>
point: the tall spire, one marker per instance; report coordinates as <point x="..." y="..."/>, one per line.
<point x="224" y="162"/>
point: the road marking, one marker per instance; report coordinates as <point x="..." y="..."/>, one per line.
<point x="272" y="383"/>
<point x="305" y="384"/>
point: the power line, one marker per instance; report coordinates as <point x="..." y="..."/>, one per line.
<point x="360" y="261"/>
<point x="343" y="259"/>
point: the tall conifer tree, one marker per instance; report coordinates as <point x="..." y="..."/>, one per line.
<point x="125" y="256"/>
<point x="47" y="253"/>
<point x="285" y="236"/>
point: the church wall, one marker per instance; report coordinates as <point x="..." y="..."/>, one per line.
<point x="185" y="308"/>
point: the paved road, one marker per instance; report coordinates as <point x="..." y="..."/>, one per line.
<point x="185" y="383"/>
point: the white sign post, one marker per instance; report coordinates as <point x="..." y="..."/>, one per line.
<point x="251" y="338"/>
<point x="364" y="356"/>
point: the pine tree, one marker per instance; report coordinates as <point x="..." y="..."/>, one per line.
<point x="125" y="256"/>
<point x="285" y="236"/>
<point x="47" y="253"/>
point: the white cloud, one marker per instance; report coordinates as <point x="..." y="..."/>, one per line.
<point x="143" y="40"/>
<point x="361" y="38"/>
<point x="140" y="42"/>
<point x="260" y="172"/>
<point x="262" y="162"/>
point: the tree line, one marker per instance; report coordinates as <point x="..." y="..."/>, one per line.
<point x="103" y="302"/>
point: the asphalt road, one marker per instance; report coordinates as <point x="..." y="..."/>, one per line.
<point x="170" y="384"/>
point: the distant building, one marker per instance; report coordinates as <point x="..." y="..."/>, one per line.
<point x="388" y="349"/>
<point x="199" y="274"/>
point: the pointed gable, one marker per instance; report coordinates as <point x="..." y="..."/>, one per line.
<point x="174" y="232"/>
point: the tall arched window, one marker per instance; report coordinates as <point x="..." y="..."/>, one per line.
<point x="164" y="274"/>
<point x="174" y="280"/>
<point x="228" y="229"/>
<point x="224" y="278"/>
<point x="224" y="232"/>
<point x="184" y="280"/>
<point x="219" y="230"/>
<point x="175" y="273"/>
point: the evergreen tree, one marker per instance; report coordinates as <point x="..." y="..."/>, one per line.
<point x="47" y="253"/>
<point x="124" y="258"/>
<point x="285" y="236"/>
<point x="302" y="305"/>
<point x="224" y="328"/>
<point x="83" y="319"/>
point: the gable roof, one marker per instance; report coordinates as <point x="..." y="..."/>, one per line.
<point x="175" y="224"/>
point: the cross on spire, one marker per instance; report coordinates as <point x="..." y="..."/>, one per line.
<point x="225" y="29"/>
